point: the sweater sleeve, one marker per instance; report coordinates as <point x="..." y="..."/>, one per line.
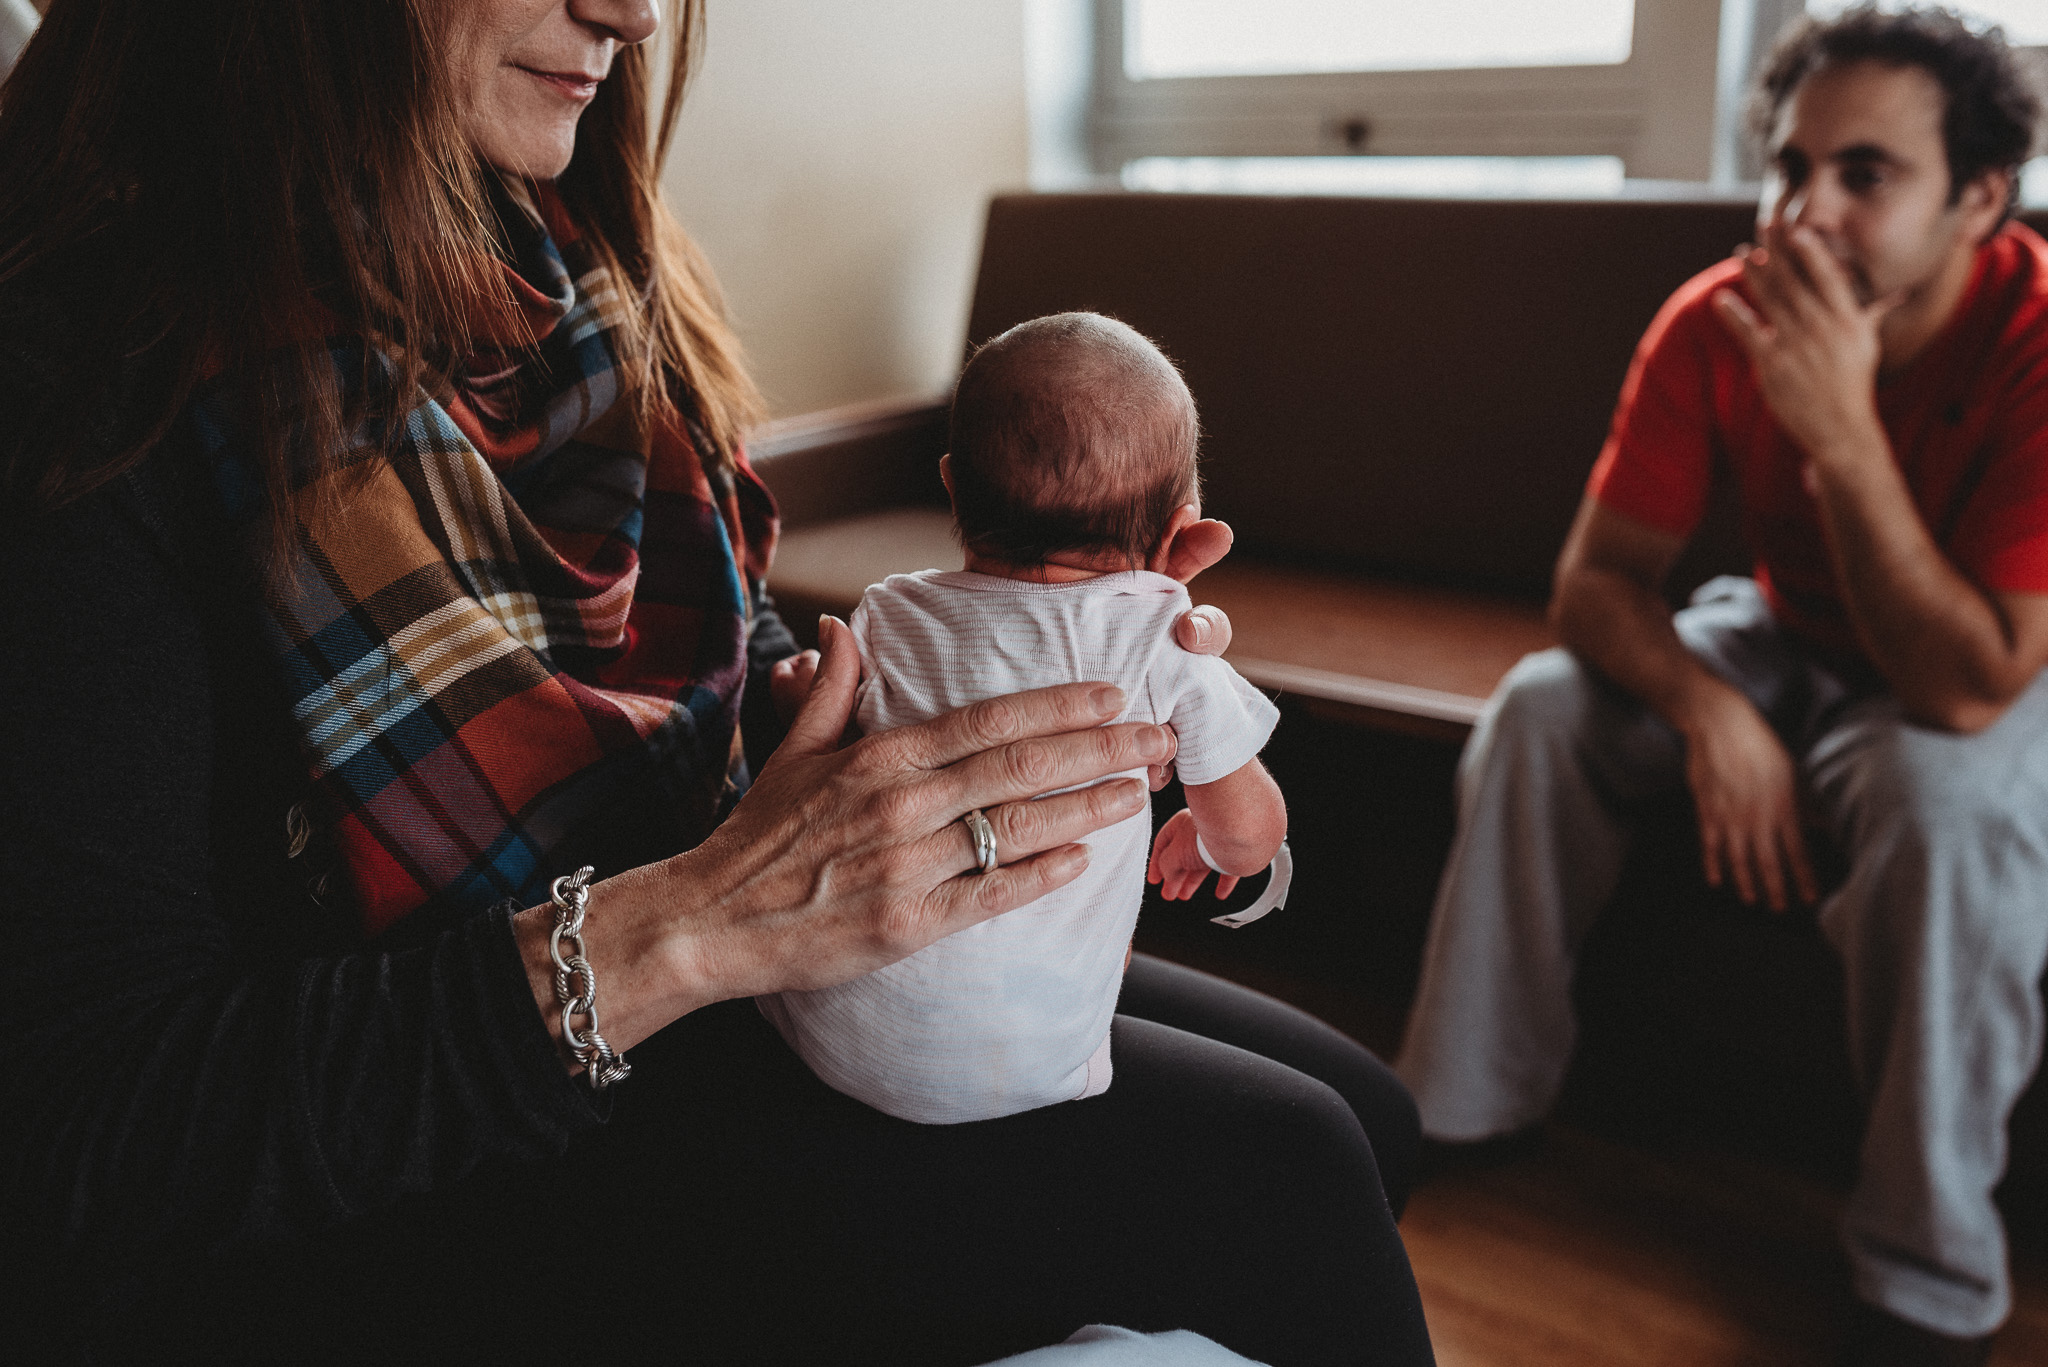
<point x="179" y="1082"/>
<point x="769" y="640"/>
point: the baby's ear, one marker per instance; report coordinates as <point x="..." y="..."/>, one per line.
<point x="1191" y="544"/>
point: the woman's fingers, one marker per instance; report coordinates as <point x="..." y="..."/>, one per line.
<point x="1012" y="773"/>
<point x="1196" y="547"/>
<point x="975" y="897"/>
<point x="829" y="707"/>
<point x="1000" y="722"/>
<point x="1203" y="630"/>
<point x="1027" y="828"/>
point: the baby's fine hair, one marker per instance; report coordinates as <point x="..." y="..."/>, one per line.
<point x="1070" y="433"/>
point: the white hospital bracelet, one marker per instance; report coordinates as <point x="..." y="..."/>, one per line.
<point x="1272" y="899"/>
<point x="1203" y="852"/>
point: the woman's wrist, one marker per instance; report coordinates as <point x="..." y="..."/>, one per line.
<point x="647" y="975"/>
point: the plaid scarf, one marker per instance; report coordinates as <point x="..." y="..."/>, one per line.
<point x="529" y="619"/>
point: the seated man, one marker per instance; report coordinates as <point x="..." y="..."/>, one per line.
<point x="1874" y="372"/>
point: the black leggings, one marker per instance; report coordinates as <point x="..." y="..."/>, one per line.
<point x="736" y="1210"/>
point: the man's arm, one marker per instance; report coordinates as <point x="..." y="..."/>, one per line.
<point x="1607" y="607"/>
<point x="1956" y="655"/>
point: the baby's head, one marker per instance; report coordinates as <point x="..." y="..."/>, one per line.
<point x="1072" y="436"/>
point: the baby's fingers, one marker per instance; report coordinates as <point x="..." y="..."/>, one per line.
<point x="1226" y="883"/>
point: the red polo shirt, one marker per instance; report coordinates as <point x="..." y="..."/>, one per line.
<point x="1968" y="423"/>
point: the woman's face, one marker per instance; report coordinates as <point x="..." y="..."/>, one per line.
<point x="529" y="68"/>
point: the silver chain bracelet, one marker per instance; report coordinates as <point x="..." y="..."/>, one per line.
<point x="576" y="984"/>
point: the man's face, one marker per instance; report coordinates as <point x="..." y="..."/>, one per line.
<point x="527" y="70"/>
<point x="1857" y="156"/>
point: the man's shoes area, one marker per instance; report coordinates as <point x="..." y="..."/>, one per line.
<point x="1877" y="1338"/>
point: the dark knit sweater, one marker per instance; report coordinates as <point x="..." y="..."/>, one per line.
<point x="202" y="1054"/>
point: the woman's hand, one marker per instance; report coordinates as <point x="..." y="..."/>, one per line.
<point x="1192" y="544"/>
<point x="841" y="860"/>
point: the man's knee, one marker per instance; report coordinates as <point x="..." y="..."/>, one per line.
<point x="1554" y="712"/>
<point x="1949" y="823"/>
<point x="1546" y="694"/>
<point x="1931" y="790"/>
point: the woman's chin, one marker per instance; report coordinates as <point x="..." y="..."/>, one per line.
<point x="534" y="156"/>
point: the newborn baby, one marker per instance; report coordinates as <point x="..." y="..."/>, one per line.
<point x="1072" y="470"/>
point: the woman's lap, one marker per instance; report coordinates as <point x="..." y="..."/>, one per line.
<point x="1202" y="1004"/>
<point x="736" y="1209"/>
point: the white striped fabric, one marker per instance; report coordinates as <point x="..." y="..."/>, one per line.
<point x="1014" y="1013"/>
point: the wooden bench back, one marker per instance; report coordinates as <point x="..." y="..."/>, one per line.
<point x="1413" y="387"/>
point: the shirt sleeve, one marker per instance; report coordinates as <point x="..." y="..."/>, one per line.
<point x="2000" y="537"/>
<point x="768" y="642"/>
<point x="1658" y="464"/>
<point x="1222" y="721"/>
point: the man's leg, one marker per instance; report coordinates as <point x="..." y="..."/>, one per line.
<point x="1943" y="930"/>
<point x="1538" y="850"/>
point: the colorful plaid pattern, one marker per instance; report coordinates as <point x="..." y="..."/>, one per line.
<point x="535" y="607"/>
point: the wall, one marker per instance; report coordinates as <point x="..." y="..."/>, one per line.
<point x="834" y="160"/>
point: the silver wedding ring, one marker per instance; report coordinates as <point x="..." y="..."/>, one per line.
<point x="984" y="835"/>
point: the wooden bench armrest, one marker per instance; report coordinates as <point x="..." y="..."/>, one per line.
<point x="839" y="462"/>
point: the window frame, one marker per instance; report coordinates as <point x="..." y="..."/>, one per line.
<point x="1657" y="111"/>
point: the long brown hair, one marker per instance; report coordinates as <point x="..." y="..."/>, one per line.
<point x="182" y="181"/>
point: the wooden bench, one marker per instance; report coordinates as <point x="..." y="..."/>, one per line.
<point x="1399" y="460"/>
<point x="1413" y="657"/>
<point x="1401" y="400"/>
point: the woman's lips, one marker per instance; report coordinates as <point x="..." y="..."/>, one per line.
<point x="571" y="85"/>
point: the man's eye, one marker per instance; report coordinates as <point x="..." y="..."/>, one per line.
<point x="1861" y="178"/>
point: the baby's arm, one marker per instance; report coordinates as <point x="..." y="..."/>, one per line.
<point x="1241" y="819"/>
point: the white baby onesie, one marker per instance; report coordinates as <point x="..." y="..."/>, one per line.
<point x="1014" y="1013"/>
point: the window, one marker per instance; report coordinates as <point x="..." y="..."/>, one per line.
<point x="1637" y="81"/>
<point x="2025" y="21"/>
<point x="1231" y="38"/>
<point x="1176" y="87"/>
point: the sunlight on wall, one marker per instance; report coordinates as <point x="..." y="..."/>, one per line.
<point x="835" y="163"/>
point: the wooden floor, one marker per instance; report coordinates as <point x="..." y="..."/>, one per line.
<point x="1594" y="1253"/>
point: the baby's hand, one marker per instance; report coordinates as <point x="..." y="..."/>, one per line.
<point x="1176" y="865"/>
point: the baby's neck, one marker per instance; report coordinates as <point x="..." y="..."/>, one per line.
<point x="1055" y="571"/>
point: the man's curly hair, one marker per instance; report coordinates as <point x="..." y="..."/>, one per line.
<point x="1993" y="106"/>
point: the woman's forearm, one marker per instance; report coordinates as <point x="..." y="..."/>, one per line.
<point x="842" y="859"/>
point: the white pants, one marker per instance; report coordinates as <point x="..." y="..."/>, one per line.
<point x="1942" y="926"/>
